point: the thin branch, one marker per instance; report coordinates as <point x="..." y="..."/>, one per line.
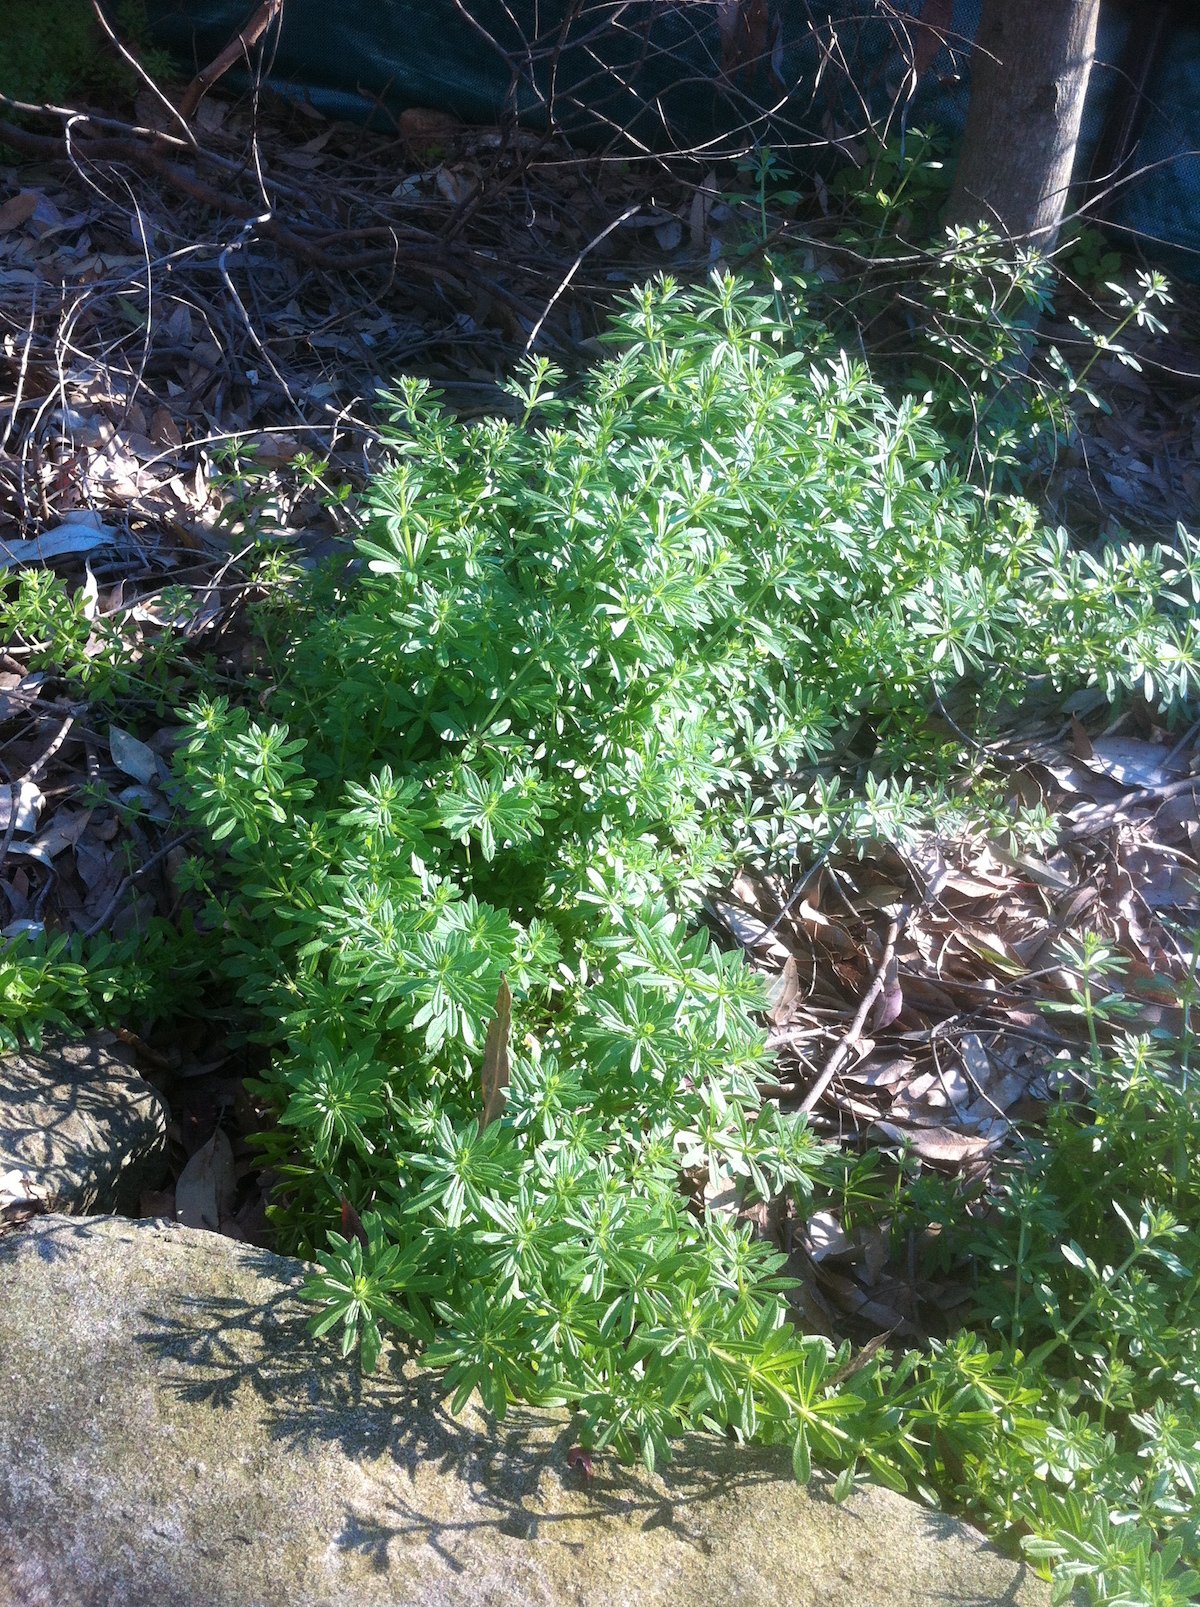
<point x="574" y="269"/>
<point x="238" y="49"/>
<point x="60" y="736"/>
<point x="844" y="1046"/>
<point x="132" y="61"/>
<point x="127" y="882"/>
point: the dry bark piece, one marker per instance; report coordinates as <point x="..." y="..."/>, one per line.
<point x="234" y="52"/>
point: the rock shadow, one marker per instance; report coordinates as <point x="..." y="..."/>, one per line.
<point x="210" y="1348"/>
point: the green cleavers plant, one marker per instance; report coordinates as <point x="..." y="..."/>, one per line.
<point x="57" y="52"/>
<point x="953" y="315"/>
<point x="592" y="657"/>
<point x="1087" y="1277"/>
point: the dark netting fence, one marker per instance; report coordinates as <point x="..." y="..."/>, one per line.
<point x="717" y="76"/>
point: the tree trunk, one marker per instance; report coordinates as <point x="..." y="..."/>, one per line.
<point x="1029" y="76"/>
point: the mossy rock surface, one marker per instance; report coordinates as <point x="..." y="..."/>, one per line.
<point x="171" y="1436"/>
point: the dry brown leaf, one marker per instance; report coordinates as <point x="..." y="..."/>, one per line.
<point x="1134" y="763"/>
<point x="890" y="1003"/>
<point x="1001" y="1094"/>
<point x="703" y="198"/>
<point x="494" y="1077"/>
<point x="928" y="995"/>
<point x="751" y="931"/>
<point x="1162" y="882"/>
<point x="824" y="931"/>
<point x="784" y="994"/>
<point x="880" y="895"/>
<point x="942" y="1146"/>
<point x="973" y="887"/>
<point x="163" y="429"/>
<point x="669" y="233"/>
<point x="854" y="1300"/>
<point x="824" y="1236"/>
<point x="793" y="1034"/>
<point x="18" y="209"/>
<point x="1045" y="873"/>
<point x="977" y="1063"/>
<point x="20" y="806"/>
<point x="132" y="755"/>
<point x="1179" y="814"/>
<point x="990" y="948"/>
<point x="204" y="1192"/>
<point x="64" y="831"/>
<point x="881" y="1073"/>
<point x="454" y="186"/>
<point x="18" y="693"/>
<point x="931" y="1099"/>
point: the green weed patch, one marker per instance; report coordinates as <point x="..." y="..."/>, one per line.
<point x="698" y="610"/>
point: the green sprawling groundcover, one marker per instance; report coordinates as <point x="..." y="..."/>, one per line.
<point x="57" y="51"/>
<point x="698" y="609"/>
<point x="589" y="652"/>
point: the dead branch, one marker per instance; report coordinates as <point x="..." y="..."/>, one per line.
<point x="238" y="49"/>
<point x="114" y="903"/>
<point x="849" y="1038"/>
<point x="414" y="247"/>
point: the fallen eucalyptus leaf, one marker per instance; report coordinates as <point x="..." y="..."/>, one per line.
<point x="132" y="756"/>
<point x="206" y="1186"/>
<point x="495" y="1056"/>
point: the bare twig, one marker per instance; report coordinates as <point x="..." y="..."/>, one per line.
<point x="137" y="67"/>
<point x="845" y="1044"/>
<point x="574" y="269"/>
<point x="238" y="49"/>
<point x="60" y="736"/>
<point x="11" y="824"/>
<point x="127" y="882"/>
<point x="22" y="371"/>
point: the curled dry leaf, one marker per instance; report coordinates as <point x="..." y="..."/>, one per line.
<point x="942" y="1146"/>
<point x="495" y="1057"/>
<point x="751" y="931"/>
<point x="205" y="1191"/>
<point x="824" y="1236"/>
<point x="785" y="993"/>
<point x="20" y="806"/>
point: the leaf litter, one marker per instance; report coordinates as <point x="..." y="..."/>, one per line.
<point x="906" y="987"/>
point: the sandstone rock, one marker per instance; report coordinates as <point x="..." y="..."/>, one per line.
<point x="170" y="1436"/>
<point x="79" y="1129"/>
